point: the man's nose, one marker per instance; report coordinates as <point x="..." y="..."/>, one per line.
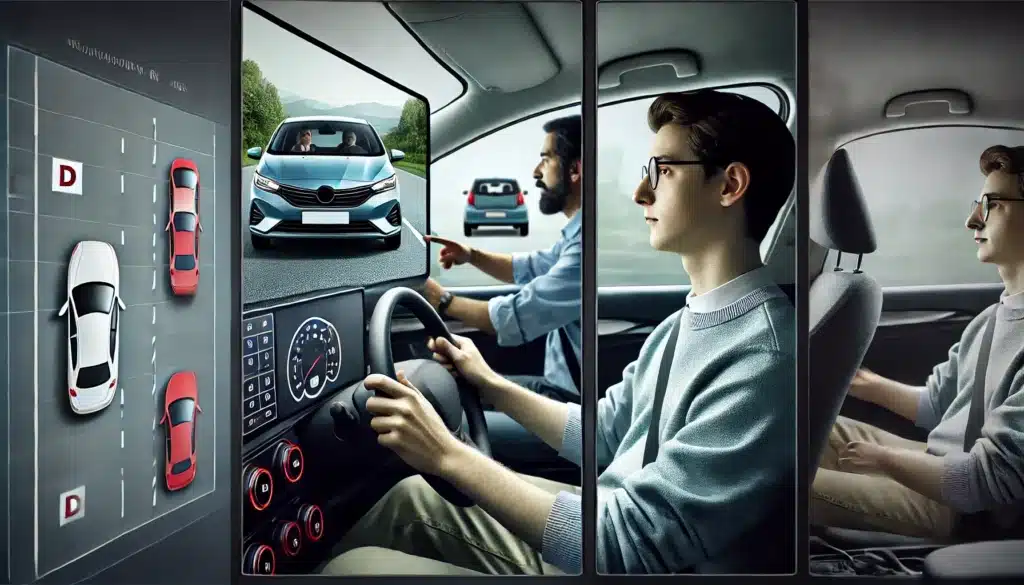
<point x="643" y="195"/>
<point x="974" y="220"/>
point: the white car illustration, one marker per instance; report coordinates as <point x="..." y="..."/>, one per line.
<point x="94" y="299"/>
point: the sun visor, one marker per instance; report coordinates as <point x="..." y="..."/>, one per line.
<point x="473" y="37"/>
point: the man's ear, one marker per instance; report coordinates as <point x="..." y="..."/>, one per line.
<point x="735" y="183"/>
<point x="576" y="171"/>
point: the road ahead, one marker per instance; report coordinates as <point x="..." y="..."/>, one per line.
<point x="125" y="143"/>
<point x="296" y="267"/>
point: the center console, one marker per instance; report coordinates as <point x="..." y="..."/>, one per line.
<point x="296" y="356"/>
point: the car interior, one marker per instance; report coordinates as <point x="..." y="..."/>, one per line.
<point x="883" y="75"/>
<point x="733" y="44"/>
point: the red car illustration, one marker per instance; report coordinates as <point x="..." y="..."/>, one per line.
<point x="181" y="404"/>
<point x="183" y="227"/>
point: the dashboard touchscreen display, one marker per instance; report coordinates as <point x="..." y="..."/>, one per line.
<point x="295" y="354"/>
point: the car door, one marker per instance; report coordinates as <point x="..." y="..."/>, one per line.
<point x="512" y="153"/>
<point x="926" y="262"/>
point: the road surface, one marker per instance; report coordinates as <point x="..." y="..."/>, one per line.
<point x="296" y="267"/>
<point x="126" y="143"/>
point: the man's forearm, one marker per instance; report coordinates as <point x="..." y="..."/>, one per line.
<point x="496" y="265"/>
<point x="897" y="397"/>
<point x="471" y="312"/>
<point x="540" y="415"/>
<point x="518" y="505"/>
<point x="916" y="470"/>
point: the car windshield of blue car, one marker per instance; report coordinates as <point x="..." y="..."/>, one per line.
<point x="185" y="178"/>
<point x="93" y="297"/>
<point x="181" y="466"/>
<point x="93" y="376"/>
<point x="327" y="138"/>
<point x="181" y="411"/>
<point x="184" y="222"/>
<point x="496" y="187"/>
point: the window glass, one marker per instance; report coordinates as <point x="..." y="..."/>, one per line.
<point x="624" y="254"/>
<point x="185" y="178"/>
<point x="919" y="185"/>
<point x="93" y="297"/>
<point x="506" y="156"/>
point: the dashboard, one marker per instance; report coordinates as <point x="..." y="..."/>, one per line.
<point x="296" y="355"/>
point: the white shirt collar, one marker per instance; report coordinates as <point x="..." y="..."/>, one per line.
<point x="730" y="292"/>
<point x="1015" y="301"/>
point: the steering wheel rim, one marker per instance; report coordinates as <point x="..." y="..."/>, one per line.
<point x="381" y="361"/>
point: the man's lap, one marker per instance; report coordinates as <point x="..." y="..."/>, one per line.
<point x="845" y="499"/>
<point x="430" y="533"/>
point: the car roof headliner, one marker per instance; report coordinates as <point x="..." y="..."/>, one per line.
<point x="862" y="53"/>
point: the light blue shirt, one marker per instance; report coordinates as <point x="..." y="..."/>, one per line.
<point x="550" y="298"/>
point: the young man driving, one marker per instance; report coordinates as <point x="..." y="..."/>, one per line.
<point x="869" y="479"/>
<point x="548" y="304"/>
<point x="722" y="453"/>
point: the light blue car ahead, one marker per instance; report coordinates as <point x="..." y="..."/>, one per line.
<point x="325" y="177"/>
<point x="495" y="203"/>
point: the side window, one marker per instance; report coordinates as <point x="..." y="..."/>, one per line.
<point x="506" y="156"/>
<point x="919" y="185"/>
<point x="624" y="254"/>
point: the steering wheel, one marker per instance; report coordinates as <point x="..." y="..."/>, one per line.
<point x="457" y="404"/>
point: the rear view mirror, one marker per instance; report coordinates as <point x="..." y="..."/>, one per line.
<point x="525" y="193"/>
<point x="465" y="192"/>
<point x="397" y="155"/>
<point x="254" y="153"/>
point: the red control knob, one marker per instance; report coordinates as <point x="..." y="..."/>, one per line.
<point x="259" y="487"/>
<point x="312" y="520"/>
<point x="259" y="560"/>
<point x="288" y="460"/>
<point x="289" y="538"/>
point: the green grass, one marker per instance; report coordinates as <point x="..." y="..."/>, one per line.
<point x="418" y="169"/>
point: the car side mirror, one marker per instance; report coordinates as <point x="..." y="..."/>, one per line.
<point x="525" y="193"/>
<point x="397" y="155"/>
<point x="254" y="153"/>
<point x="465" y="192"/>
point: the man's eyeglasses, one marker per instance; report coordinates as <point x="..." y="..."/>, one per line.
<point x="986" y="204"/>
<point x="650" y="172"/>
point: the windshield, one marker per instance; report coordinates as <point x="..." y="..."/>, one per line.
<point x="93" y="297"/>
<point x="328" y="138"/>
<point x="184" y="222"/>
<point x="181" y="466"/>
<point x="184" y="262"/>
<point x="495" y="187"/>
<point x="93" y="376"/>
<point x="181" y="411"/>
<point x="185" y="178"/>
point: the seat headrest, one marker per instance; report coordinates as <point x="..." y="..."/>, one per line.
<point x="840" y="221"/>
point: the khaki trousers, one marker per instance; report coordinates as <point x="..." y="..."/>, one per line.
<point x="414" y="531"/>
<point x="844" y="499"/>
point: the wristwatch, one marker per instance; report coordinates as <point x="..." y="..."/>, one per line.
<point x="446" y="300"/>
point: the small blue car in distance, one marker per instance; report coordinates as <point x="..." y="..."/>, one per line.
<point x="496" y="202"/>
<point x="325" y="177"/>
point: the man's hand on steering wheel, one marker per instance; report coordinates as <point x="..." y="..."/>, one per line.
<point x="463" y="358"/>
<point x="407" y="424"/>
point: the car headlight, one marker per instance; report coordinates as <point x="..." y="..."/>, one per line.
<point x="385" y="185"/>
<point x="264" y="183"/>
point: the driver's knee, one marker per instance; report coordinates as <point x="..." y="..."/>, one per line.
<point x="410" y="500"/>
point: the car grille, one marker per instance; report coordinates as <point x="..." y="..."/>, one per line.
<point x="394" y="216"/>
<point x="300" y="197"/>
<point x="297" y="227"/>
<point x="255" y="215"/>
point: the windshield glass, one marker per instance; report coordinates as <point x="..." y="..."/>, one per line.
<point x="495" y="187"/>
<point x="184" y="222"/>
<point x="184" y="262"/>
<point x="328" y="137"/>
<point x="181" y="411"/>
<point x="185" y="178"/>
<point x="93" y="376"/>
<point x="93" y="297"/>
<point x="181" y="466"/>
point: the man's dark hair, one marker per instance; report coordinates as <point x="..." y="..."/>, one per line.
<point x="1007" y="159"/>
<point x="568" y="138"/>
<point x="728" y="128"/>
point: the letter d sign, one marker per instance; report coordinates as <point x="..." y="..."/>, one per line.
<point x="72" y="505"/>
<point x="67" y="176"/>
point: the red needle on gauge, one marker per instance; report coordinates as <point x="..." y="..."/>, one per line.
<point x="315" y="362"/>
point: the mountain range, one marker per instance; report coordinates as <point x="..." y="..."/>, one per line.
<point x="381" y="116"/>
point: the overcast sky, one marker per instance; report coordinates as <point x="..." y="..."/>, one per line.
<point x="363" y="31"/>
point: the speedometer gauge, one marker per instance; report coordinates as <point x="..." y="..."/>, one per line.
<point x="314" y="358"/>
